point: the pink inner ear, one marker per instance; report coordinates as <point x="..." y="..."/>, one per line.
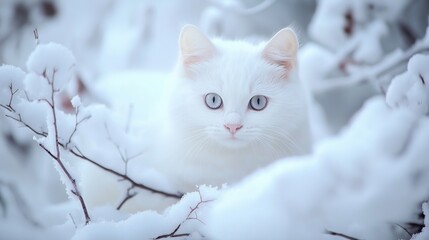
<point x="279" y="58"/>
<point x="192" y="59"/>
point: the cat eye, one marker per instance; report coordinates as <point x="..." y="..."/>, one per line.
<point x="213" y="101"/>
<point x="258" y="102"/>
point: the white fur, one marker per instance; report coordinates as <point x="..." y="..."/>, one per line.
<point x="191" y="145"/>
<point x="198" y="149"/>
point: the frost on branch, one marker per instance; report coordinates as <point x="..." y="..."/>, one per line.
<point x="50" y="68"/>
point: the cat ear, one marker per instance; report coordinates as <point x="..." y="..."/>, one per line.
<point x="194" y="46"/>
<point x="282" y="49"/>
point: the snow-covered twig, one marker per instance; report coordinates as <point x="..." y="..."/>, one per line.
<point x="57" y="155"/>
<point x="54" y="155"/>
<point x="76" y="152"/>
<point x="192" y="215"/>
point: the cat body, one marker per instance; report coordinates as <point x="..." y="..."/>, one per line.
<point x="232" y="108"/>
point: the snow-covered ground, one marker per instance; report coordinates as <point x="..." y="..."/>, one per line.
<point x="365" y="65"/>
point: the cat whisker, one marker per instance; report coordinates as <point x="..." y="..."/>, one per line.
<point x="280" y="136"/>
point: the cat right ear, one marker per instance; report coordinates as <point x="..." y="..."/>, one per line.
<point x="194" y="46"/>
<point x="282" y="49"/>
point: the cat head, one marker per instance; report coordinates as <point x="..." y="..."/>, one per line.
<point x="236" y="94"/>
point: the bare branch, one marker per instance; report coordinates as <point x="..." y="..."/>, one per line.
<point x="19" y="120"/>
<point x="127" y="197"/>
<point x="173" y="234"/>
<point x="422" y="79"/>
<point x="76" y="124"/>
<point x="12" y="94"/>
<point x="74" y="223"/>
<point x="340" y="235"/>
<point x="36" y="36"/>
<point x="75" y="189"/>
<point x="192" y="215"/>
<point x="76" y="152"/>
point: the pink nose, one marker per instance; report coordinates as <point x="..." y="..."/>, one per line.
<point x="233" y="128"/>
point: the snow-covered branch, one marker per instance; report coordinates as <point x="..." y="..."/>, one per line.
<point x="192" y="215"/>
<point x="134" y="184"/>
<point x="43" y="86"/>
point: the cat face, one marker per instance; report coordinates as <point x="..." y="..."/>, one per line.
<point x="236" y="94"/>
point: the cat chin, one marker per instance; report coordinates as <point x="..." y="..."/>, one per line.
<point x="232" y="143"/>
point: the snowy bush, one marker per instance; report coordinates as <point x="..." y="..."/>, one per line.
<point x="361" y="183"/>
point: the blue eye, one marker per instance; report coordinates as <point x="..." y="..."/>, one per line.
<point x="258" y="102"/>
<point x="213" y="101"/>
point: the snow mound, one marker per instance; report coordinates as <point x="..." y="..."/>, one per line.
<point x="353" y="184"/>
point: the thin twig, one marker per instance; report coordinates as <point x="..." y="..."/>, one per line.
<point x="192" y="215"/>
<point x="76" y="124"/>
<point x="19" y="119"/>
<point x="74" y="223"/>
<point x="173" y="234"/>
<point x="57" y="155"/>
<point x="340" y="235"/>
<point x="127" y="197"/>
<point x="76" y="152"/>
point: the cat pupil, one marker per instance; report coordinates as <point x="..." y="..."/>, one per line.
<point x="214" y="99"/>
<point x="258" y="102"/>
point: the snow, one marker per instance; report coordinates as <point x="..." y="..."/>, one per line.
<point x="37" y="87"/>
<point x="357" y="185"/>
<point x="150" y="224"/>
<point x="52" y="61"/>
<point x="410" y="89"/>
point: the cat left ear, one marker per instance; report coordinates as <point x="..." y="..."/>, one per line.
<point x="194" y="46"/>
<point x="282" y="49"/>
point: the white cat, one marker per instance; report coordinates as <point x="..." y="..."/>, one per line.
<point x="233" y="107"/>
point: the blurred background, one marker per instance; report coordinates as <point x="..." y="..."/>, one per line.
<point x="339" y="40"/>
